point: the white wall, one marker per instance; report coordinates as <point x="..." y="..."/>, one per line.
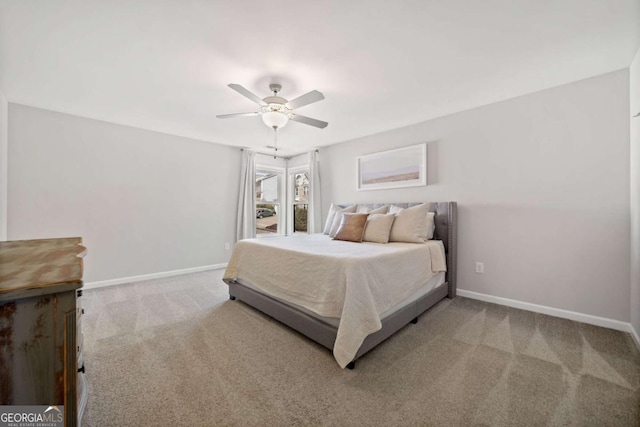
<point x="542" y="183"/>
<point x="634" y="72"/>
<point x="4" y="146"/>
<point x="144" y="202"/>
<point x="299" y="160"/>
<point x="267" y="160"/>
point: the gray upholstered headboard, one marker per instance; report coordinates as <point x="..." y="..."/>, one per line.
<point x="446" y="223"/>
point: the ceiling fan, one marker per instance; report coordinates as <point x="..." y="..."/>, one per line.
<point x="277" y="111"/>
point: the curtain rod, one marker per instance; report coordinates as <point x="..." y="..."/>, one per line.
<point x="282" y="157"/>
<point x="270" y="155"/>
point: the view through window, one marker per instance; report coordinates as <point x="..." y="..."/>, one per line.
<point x="300" y="199"/>
<point x="268" y="190"/>
<point x="282" y="204"/>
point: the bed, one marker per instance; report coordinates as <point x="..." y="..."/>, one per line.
<point x="346" y="296"/>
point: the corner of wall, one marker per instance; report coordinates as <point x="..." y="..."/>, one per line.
<point x="4" y="165"/>
<point x="634" y="201"/>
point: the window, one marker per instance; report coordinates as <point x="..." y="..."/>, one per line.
<point x="269" y="189"/>
<point x="282" y="198"/>
<point x="299" y="196"/>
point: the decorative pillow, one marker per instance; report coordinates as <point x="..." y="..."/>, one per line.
<point x="412" y="225"/>
<point x="332" y="214"/>
<point x="431" y="221"/>
<point x="378" y="227"/>
<point x="329" y="221"/>
<point x="394" y="209"/>
<point x="352" y="227"/>
<point x="365" y="209"/>
<point x="337" y="219"/>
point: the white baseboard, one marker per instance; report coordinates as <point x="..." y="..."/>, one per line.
<point x="556" y="312"/>
<point x="122" y="280"/>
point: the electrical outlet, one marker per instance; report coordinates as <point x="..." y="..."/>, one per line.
<point x="479" y="267"/>
<point x="227" y="246"/>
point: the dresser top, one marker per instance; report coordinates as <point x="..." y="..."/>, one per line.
<point x="28" y="264"/>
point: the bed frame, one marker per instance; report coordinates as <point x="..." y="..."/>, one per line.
<point x="325" y="333"/>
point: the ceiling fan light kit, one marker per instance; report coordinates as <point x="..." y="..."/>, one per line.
<point x="277" y="111"/>
<point x="275" y="119"/>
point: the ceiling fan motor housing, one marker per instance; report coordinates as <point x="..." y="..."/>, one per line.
<point x="276" y="104"/>
<point x="275" y="88"/>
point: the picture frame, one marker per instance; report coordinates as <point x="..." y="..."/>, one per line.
<point x="397" y="168"/>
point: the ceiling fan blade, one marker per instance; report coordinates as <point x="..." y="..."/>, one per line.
<point x="309" y="121"/>
<point x="245" y="92"/>
<point x="228" y="116"/>
<point x="306" y="99"/>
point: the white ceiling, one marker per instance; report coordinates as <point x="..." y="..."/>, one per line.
<point x="165" y="65"/>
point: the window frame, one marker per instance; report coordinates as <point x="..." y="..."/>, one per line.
<point x="280" y="202"/>
<point x="291" y="199"/>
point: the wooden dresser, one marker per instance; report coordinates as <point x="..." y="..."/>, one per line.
<point x="40" y="315"/>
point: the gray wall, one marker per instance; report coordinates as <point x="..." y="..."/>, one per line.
<point x="4" y="147"/>
<point x="635" y="194"/>
<point x="144" y="202"/>
<point x="542" y="183"/>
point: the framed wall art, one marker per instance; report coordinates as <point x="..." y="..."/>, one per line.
<point x="401" y="167"/>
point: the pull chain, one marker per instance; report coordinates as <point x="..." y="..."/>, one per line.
<point x="275" y="141"/>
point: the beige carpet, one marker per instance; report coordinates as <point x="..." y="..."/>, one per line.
<point x="176" y="351"/>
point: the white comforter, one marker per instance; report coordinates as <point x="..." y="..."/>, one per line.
<point x="351" y="281"/>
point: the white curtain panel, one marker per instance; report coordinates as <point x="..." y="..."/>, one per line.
<point x="314" y="218"/>
<point x="246" y="226"/>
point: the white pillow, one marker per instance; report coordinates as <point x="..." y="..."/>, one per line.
<point x="378" y="228"/>
<point x="331" y="216"/>
<point x="431" y="220"/>
<point x="395" y="209"/>
<point x="365" y="209"/>
<point x="337" y="218"/>
<point x="329" y="221"/>
<point x="412" y="225"/>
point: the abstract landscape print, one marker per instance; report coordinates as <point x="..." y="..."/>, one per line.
<point x="401" y="167"/>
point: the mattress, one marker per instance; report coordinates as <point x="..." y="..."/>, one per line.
<point x="434" y="282"/>
<point x="355" y="282"/>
